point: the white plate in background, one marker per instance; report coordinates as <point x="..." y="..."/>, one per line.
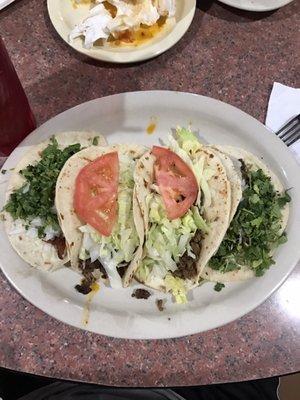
<point x="4" y="3"/>
<point x="256" y="5"/>
<point x="64" y="17"/>
<point x="123" y="118"/>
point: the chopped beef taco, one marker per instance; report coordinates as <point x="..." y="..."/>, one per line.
<point x="185" y="199"/>
<point x="257" y="222"/>
<point x="30" y="217"/>
<point x="99" y="214"/>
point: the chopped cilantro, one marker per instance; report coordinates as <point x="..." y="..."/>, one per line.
<point x="219" y="286"/>
<point x="3" y="171"/>
<point x="36" y="197"/>
<point x="254" y="230"/>
<point x="95" y="141"/>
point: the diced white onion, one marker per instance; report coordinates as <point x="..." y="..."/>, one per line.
<point x="32" y="233"/>
<point x="36" y="222"/>
<point x="50" y="233"/>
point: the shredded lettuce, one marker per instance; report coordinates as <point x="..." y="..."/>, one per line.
<point x="177" y="287"/>
<point x="199" y="221"/>
<point x="188" y="141"/>
<point x="173" y="145"/>
<point x="117" y="249"/>
<point x="163" y="241"/>
<point x="167" y="241"/>
<point x="144" y="270"/>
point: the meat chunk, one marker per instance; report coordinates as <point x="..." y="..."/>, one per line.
<point x="141" y="294"/>
<point x="160" y="304"/>
<point x="59" y="243"/>
<point x="87" y="267"/>
<point x="187" y="266"/>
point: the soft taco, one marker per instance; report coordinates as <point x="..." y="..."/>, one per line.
<point x="257" y="224"/>
<point x="185" y="198"/>
<point x="99" y="214"/>
<point x="29" y="215"/>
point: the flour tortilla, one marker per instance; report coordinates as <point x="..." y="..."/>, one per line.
<point x="255" y="163"/>
<point x="216" y="215"/>
<point x="35" y="251"/>
<point x="69" y="221"/>
<point x="235" y="179"/>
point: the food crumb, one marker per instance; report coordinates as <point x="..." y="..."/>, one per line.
<point x="152" y="125"/>
<point x="141" y="294"/>
<point x="219" y="286"/>
<point x="95" y="141"/>
<point x="160" y="304"/>
<point x="151" y="128"/>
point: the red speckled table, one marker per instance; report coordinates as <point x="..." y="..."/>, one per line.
<point x="231" y="55"/>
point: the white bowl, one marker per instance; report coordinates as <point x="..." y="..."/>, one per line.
<point x="64" y="17"/>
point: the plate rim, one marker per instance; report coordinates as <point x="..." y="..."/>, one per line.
<point x="232" y="3"/>
<point x="246" y="310"/>
<point x="130" y="56"/>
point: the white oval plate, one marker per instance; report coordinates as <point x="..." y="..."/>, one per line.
<point x="64" y="17"/>
<point x="123" y="118"/>
<point x="256" y="5"/>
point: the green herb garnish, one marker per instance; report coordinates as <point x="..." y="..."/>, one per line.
<point x="36" y="197"/>
<point x="219" y="286"/>
<point x="254" y="230"/>
<point x="95" y="141"/>
<point x="3" y="171"/>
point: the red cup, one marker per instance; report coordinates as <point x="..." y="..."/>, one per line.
<point x="16" y="118"/>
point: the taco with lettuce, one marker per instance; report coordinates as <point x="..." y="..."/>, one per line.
<point x="30" y="217"/>
<point x="257" y="222"/>
<point x="185" y="198"/>
<point x="99" y="214"/>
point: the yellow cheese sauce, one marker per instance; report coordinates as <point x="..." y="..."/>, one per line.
<point x="152" y="125"/>
<point x="151" y="128"/>
<point x="140" y="36"/>
<point x="86" y="310"/>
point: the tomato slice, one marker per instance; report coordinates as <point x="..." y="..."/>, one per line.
<point x="96" y="192"/>
<point x="176" y="181"/>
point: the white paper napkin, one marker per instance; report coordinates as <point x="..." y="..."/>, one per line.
<point x="284" y="104"/>
<point x="4" y="3"/>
